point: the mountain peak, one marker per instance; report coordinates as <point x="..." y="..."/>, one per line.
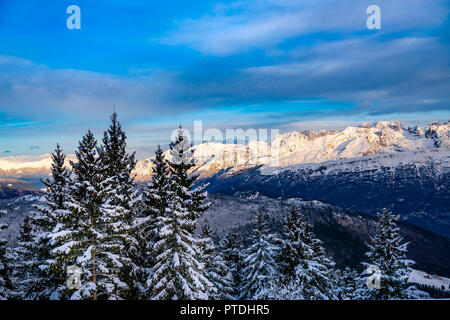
<point x="295" y="147"/>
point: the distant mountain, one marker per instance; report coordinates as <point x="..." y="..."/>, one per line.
<point x="293" y="148"/>
<point x="28" y="168"/>
<point x="361" y="168"/>
<point x="22" y="166"/>
<point x="414" y="185"/>
<point x="343" y="232"/>
<point x="312" y="147"/>
<point x="10" y="188"/>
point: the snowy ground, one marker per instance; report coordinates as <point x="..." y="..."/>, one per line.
<point x="422" y="277"/>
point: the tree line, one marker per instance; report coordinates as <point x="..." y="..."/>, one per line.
<point x="98" y="237"/>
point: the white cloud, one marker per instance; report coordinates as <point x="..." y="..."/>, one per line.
<point x="243" y="25"/>
<point x="28" y="89"/>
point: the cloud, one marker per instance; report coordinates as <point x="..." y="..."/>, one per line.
<point x="31" y="90"/>
<point x="323" y="50"/>
<point x="240" y="26"/>
<point x="408" y="74"/>
<point x="305" y="50"/>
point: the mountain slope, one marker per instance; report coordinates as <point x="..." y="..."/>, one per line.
<point x="359" y="168"/>
<point x="310" y="147"/>
<point x="343" y="232"/>
<point x="10" y="188"/>
<point x="416" y="189"/>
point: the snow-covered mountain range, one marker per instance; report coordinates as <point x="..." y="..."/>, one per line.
<point x="364" y="168"/>
<point x="360" y="168"/>
<point x="313" y="147"/>
<point x="27" y="166"/>
<point x="292" y="148"/>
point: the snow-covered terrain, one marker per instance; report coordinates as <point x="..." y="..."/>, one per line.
<point x="402" y="145"/>
<point x="292" y="148"/>
<point x="359" y="168"/>
<point x="27" y="166"/>
<point x="343" y="232"/>
<point x="434" y="281"/>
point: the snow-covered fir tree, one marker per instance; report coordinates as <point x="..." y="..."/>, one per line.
<point x="260" y="261"/>
<point x="181" y="162"/>
<point x="232" y="254"/>
<point x="27" y="275"/>
<point x="315" y="270"/>
<point x="116" y="166"/>
<point x="284" y="290"/>
<point x="347" y="284"/>
<point x="157" y="195"/>
<point x="303" y="263"/>
<point x="215" y="267"/>
<point x="50" y="218"/>
<point x="178" y="272"/>
<point x="388" y="253"/>
<point x="6" y="283"/>
<point x="93" y="239"/>
<point x="291" y="245"/>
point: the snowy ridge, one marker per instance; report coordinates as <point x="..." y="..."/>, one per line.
<point x="434" y="281"/>
<point x="418" y="158"/>
<point x="295" y="148"/>
<point x="19" y="166"/>
<point x="385" y="143"/>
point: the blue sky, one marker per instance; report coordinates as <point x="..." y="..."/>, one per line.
<point x="284" y="64"/>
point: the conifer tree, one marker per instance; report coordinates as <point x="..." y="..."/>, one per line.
<point x="215" y="267"/>
<point x="315" y="270"/>
<point x="178" y="271"/>
<point x="27" y="274"/>
<point x="259" y="259"/>
<point x="181" y="162"/>
<point x="348" y="284"/>
<point x="388" y="253"/>
<point x="49" y="220"/>
<point x="92" y="239"/>
<point x="232" y="254"/>
<point x="116" y="166"/>
<point x="291" y="247"/>
<point x="157" y="195"/>
<point x="6" y="289"/>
